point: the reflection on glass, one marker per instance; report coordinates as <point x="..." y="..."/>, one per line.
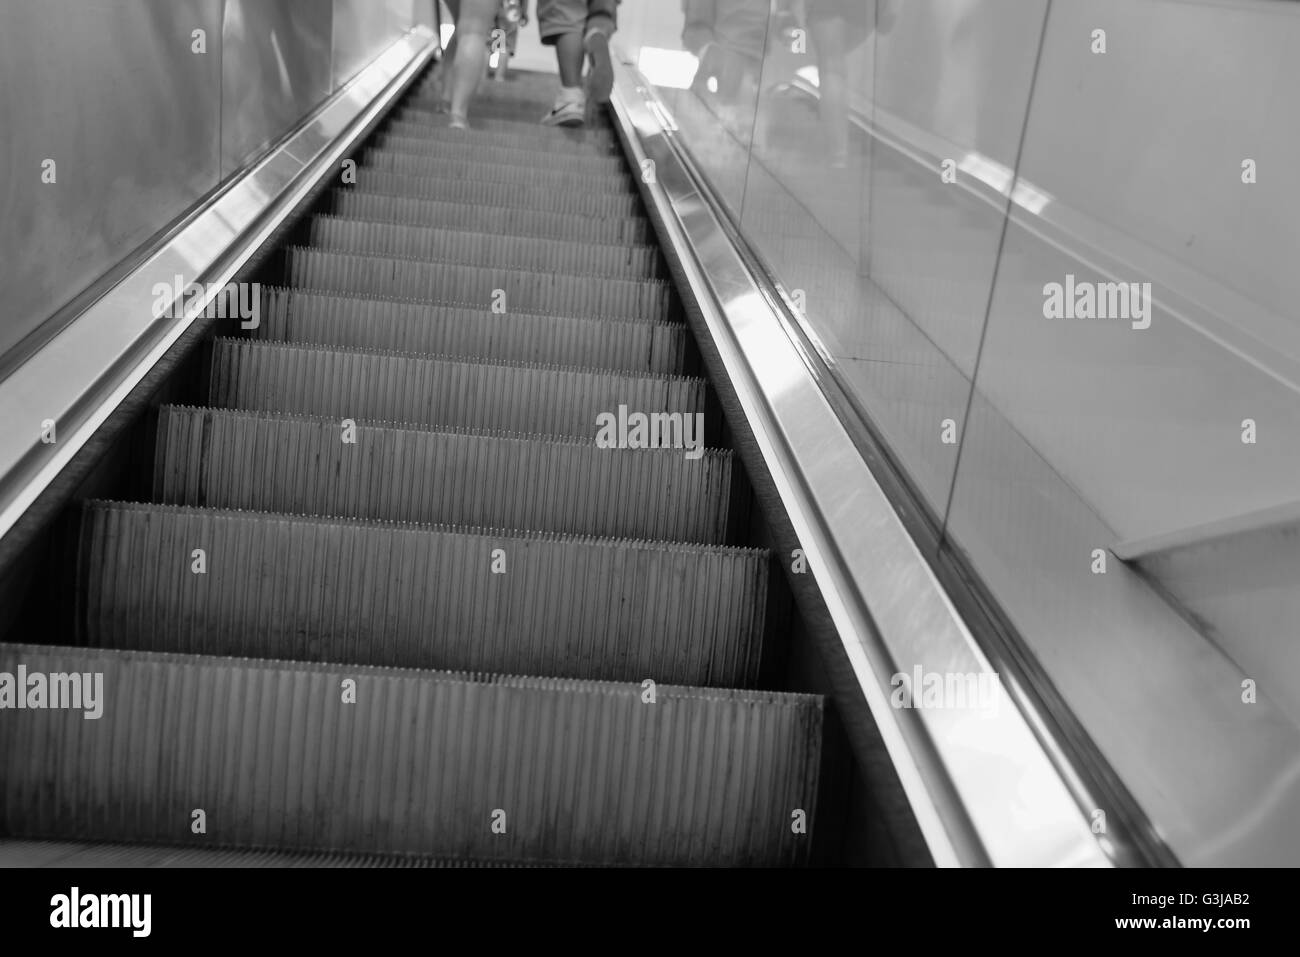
<point x="884" y="160"/>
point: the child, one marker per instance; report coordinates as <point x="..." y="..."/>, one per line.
<point x="577" y="28"/>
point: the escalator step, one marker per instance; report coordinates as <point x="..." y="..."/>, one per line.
<point x="494" y="119"/>
<point x="436" y="390"/>
<point x="571" y="200"/>
<point x="283" y="755"/>
<point x="83" y="854"/>
<point x="386" y="144"/>
<point x="533" y="102"/>
<point x="299" y="464"/>
<point x="527" y="88"/>
<point x="483" y="170"/>
<point x="296" y="315"/>
<point x="484" y="249"/>
<point x="310" y="589"/>
<point x="506" y="220"/>
<point x="503" y="290"/>
<point x="502" y="117"/>
<point x="491" y="113"/>
<point x="550" y="145"/>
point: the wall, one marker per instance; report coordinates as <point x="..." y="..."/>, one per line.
<point x="135" y="139"/>
<point x="141" y="126"/>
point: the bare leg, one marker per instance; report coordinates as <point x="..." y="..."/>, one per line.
<point x="442" y="77"/>
<point x="569" y="55"/>
<point x="442" y="72"/>
<point x="473" y="27"/>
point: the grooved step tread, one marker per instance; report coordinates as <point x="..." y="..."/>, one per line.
<point x="497" y="112"/>
<point x="541" y="197"/>
<point x="574" y="227"/>
<point x="483" y="170"/>
<point x="419" y="762"/>
<point x="562" y="143"/>
<point x="524" y="124"/>
<point x="439" y="390"/>
<point x="314" y="589"/>
<point x="300" y="464"/>
<point x="496" y="288"/>
<point x="93" y="854"/>
<point x="426" y="244"/>
<point x="408" y="147"/>
<point x="397" y="325"/>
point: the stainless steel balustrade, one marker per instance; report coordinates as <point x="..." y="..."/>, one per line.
<point x="984" y="789"/>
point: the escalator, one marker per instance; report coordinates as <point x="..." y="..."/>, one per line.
<point x="363" y="585"/>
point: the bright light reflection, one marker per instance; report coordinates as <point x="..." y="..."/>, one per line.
<point x="999" y="178"/>
<point x="667" y="68"/>
<point x="809" y="75"/>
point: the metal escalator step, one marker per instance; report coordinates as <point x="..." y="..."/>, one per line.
<point x="285" y="755"/>
<point x="302" y="465"/>
<point x="496" y="95"/>
<point x="367" y="238"/>
<point x="530" y="88"/>
<point x="513" y="221"/>
<point x="500" y="194"/>
<point x="494" y="114"/>
<point x="483" y="171"/>
<point x="437" y="390"/>
<point x="88" y="854"/>
<point x="388" y="144"/>
<point x="310" y="589"/>
<point x="504" y="290"/>
<point x="550" y="147"/>
<point x="502" y="117"/>
<point x="295" y="315"/>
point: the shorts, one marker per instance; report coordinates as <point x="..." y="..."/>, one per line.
<point x="555" y="18"/>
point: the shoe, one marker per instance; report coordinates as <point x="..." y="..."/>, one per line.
<point x="458" y="122"/>
<point x="572" y="113"/>
<point x="600" y="78"/>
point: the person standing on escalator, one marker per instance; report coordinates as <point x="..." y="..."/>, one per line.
<point x="579" y="30"/>
<point x="457" y="75"/>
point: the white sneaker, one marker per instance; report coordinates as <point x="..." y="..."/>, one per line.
<point x="570" y="113"/>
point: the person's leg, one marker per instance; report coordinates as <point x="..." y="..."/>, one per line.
<point x="473" y="27"/>
<point x="568" y="57"/>
<point x="561" y="24"/>
<point x="442" y="72"/>
<point x="602" y="21"/>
